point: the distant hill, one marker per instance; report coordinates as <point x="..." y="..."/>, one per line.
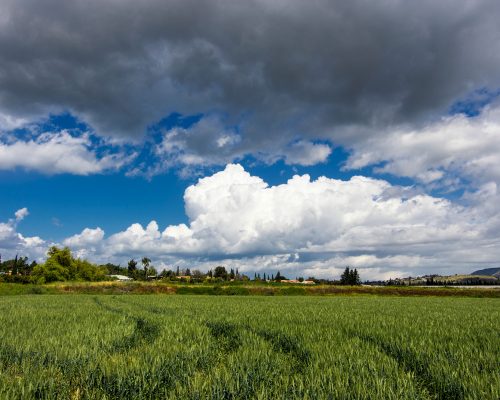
<point x="488" y="271"/>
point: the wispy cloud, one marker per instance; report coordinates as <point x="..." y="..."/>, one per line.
<point x="60" y="152"/>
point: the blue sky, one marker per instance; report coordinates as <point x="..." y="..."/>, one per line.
<point x="67" y="203"/>
<point x="285" y="135"/>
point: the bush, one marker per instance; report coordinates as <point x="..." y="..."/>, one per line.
<point x="15" y="279"/>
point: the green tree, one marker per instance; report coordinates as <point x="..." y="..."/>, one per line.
<point x="14" y="267"/>
<point x="23" y="266"/>
<point x="50" y="271"/>
<point x="345" y="278"/>
<point x="220" y="272"/>
<point x="197" y="275"/>
<point x="61" y="256"/>
<point x="61" y="266"/>
<point x="355" y="280"/>
<point x="145" y="263"/>
<point x="279" y="277"/>
<point x="132" y="268"/>
<point x="350" y="277"/>
<point x="115" y="269"/>
<point x="83" y="270"/>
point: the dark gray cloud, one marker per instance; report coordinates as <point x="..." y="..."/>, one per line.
<point x="282" y="70"/>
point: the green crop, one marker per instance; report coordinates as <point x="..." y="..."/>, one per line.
<point x="230" y="347"/>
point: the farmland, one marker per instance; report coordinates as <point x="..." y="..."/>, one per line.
<point x="242" y="289"/>
<point x="349" y="347"/>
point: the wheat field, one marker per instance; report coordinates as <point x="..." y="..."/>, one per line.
<point x="230" y="347"/>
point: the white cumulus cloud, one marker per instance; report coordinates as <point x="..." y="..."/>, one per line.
<point x="13" y="242"/>
<point x="88" y="237"/>
<point x="302" y="227"/>
<point x="315" y="227"/>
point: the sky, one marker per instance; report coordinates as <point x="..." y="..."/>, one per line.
<point x="281" y="135"/>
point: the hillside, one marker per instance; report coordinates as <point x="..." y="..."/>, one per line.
<point x="488" y="271"/>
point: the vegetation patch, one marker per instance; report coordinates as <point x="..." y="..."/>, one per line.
<point x="288" y="345"/>
<point x="226" y="335"/>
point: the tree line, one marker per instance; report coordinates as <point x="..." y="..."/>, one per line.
<point x="61" y="265"/>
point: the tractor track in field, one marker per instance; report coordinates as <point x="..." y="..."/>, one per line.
<point x="90" y="380"/>
<point x="151" y="309"/>
<point x="288" y="345"/>
<point x="226" y="334"/>
<point x="228" y="337"/>
<point x="10" y="357"/>
<point x="409" y="362"/>
<point x="144" y="331"/>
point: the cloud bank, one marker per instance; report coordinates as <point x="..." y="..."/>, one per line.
<point x="310" y="227"/>
<point x="405" y="89"/>
<point x="281" y="71"/>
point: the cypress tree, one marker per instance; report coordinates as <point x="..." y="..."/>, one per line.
<point x="351" y="278"/>
<point x="14" y="266"/>
<point x="345" y="277"/>
<point x="356" y="280"/>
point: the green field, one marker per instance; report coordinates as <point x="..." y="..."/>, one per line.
<point x="197" y="347"/>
